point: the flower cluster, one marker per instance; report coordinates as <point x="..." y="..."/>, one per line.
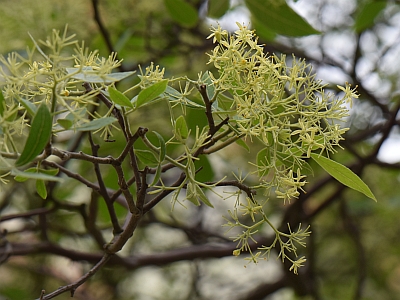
<point x="280" y="103"/>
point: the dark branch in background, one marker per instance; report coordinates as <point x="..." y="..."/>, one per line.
<point x="73" y="286"/>
<point x="354" y="232"/>
<point x="103" y="30"/>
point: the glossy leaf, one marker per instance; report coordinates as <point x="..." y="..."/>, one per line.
<point x="366" y="16"/>
<point x="217" y="8"/>
<point x="279" y="18"/>
<point x="96" y="124"/>
<point x="151" y="92"/>
<point x="343" y="174"/>
<point x="119" y="98"/>
<point x="182" y="12"/>
<point x="39" y="135"/>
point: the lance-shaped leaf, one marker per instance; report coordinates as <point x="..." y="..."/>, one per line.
<point x="366" y="16"/>
<point x="33" y="173"/>
<point x="119" y="98"/>
<point x="162" y="147"/>
<point x="88" y="74"/>
<point x="343" y="174"/>
<point x="29" y="106"/>
<point x="39" y="135"/>
<point x="41" y="188"/>
<point x="96" y="124"/>
<point x="151" y="92"/>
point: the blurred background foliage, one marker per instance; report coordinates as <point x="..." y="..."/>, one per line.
<point x="354" y="250"/>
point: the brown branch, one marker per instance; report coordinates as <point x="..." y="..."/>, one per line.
<point x="73" y="286"/>
<point x="103" y="190"/>
<point x="28" y="214"/>
<point x="71" y="174"/>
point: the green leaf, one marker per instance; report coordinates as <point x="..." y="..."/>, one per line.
<point x="343" y="174"/>
<point x="366" y="15"/>
<point x="41" y="188"/>
<point x="181" y="128"/>
<point x="119" y="98"/>
<point x="191" y="194"/>
<point x="202" y="196"/>
<point x="39" y="135"/>
<point x="279" y="17"/>
<point x="162" y="147"/>
<point x="263" y="31"/>
<point x="33" y="173"/>
<point x="147" y="157"/>
<point x="217" y="8"/>
<point x="210" y="89"/>
<point x="182" y="12"/>
<point x="2" y="103"/>
<point x="65" y="123"/>
<point x="96" y="124"/>
<point x="206" y="172"/>
<point x="243" y="144"/>
<point x="151" y="92"/>
<point x="157" y="175"/>
<point x="29" y="106"/>
<point x="88" y="74"/>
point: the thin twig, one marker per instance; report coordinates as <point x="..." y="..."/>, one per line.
<point x="73" y="286"/>
<point x="103" y="190"/>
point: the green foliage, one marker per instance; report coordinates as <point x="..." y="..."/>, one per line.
<point x="182" y="12"/>
<point x="217" y="8"/>
<point x="367" y="14"/>
<point x="279" y="17"/>
<point x="38" y="137"/>
<point x="344" y="175"/>
<point x="124" y="149"/>
<point x="253" y="97"/>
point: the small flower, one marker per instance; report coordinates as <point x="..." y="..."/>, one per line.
<point x="349" y="93"/>
<point x="297" y="264"/>
<point x="217" y="34"/>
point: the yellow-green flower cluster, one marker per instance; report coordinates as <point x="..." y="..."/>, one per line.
<point x="279" y="102"/>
